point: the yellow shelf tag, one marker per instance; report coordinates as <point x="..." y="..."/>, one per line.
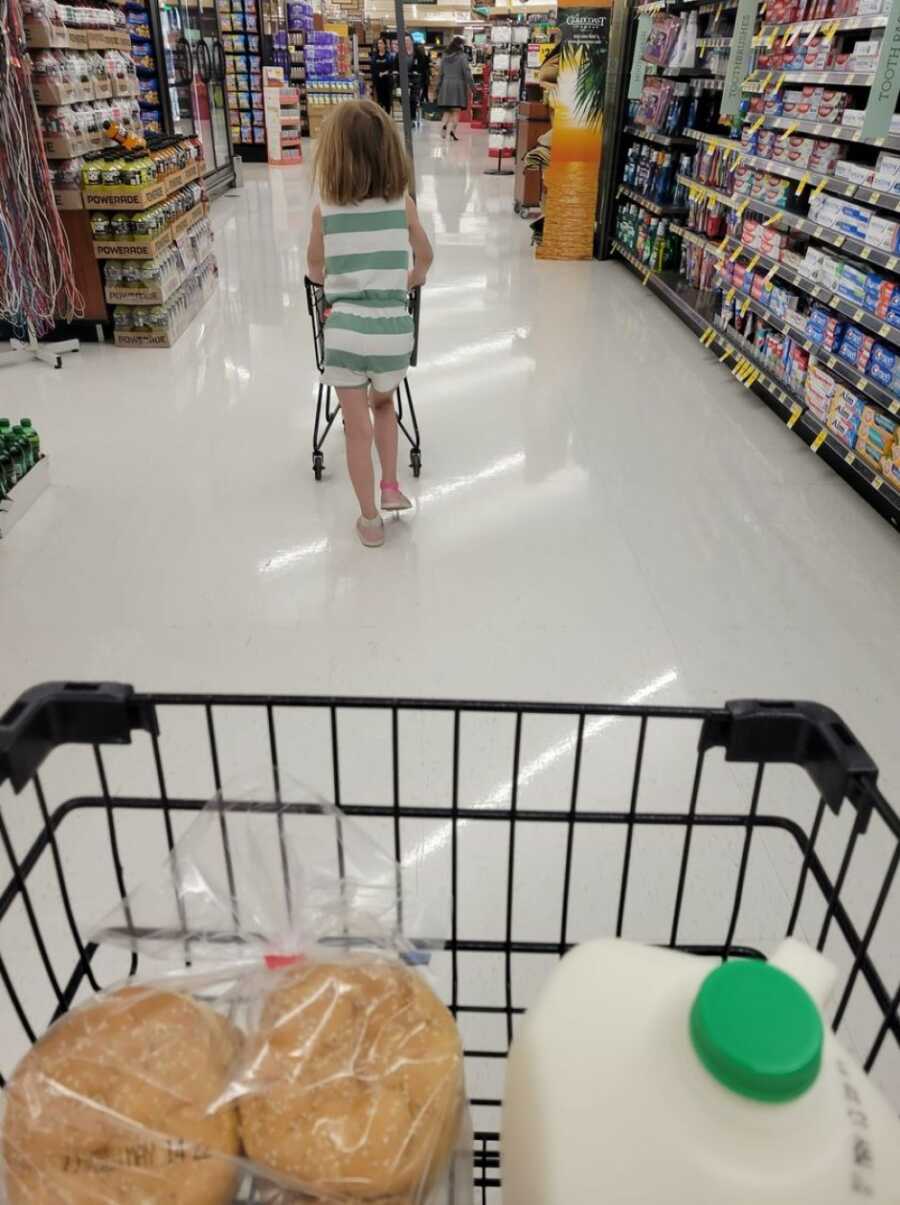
<point x="892" y="263"/>
<point x="753" y="262"/>
<point x="725" y="354"/>
<point x="751" y="378"/>
<point x="780" y="83"/>
<point x="724" y="243"/>
<point x="864" y="254"/>
<point x="818" y="441"/>
<point x="857" y="315"/>
<point x="802" y="183"/>
<point x="818" y="188"/>
<point x="877" y="483"/>
<point x="736" y="252"/>
<point x="790" y="130"/>
<point x="861" y="384"/>
<point x="894" y="407"/>
<point x="729" y="296"/>
<point x="772" y="220"/>
<point x="647" y="276"/>
<point x="875" y="197"/>
<point x="796" y="411"/>
<point x="743" y="205"/>
<point x="839" y="241"/>
<point x="745" y="306"/>
<point x="849" y="457"/>
<point x="756" y="123"/>
<point x="771" y="272"/>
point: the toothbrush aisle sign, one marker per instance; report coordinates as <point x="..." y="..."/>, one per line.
<point x="573" y="176"/>
<point x="740" y="57"/>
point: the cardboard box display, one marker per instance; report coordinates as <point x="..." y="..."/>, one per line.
<point x="68" y="198"/>
<point x="48" y="93"/>
<point x="41" y="35"/>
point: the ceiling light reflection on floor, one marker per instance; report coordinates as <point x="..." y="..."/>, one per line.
<point x="504" y="465"/>
<point x="291" y="556"/>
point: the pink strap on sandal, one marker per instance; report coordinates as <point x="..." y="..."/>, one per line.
<point x="390" y="485"/>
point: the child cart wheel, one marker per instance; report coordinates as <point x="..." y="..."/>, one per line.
<point x="415" y="462"/>
<point x="318" y="465"/>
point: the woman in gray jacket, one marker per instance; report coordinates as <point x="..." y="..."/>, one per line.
<point x="454" y="86"/>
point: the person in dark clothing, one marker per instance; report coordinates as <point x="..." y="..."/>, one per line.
<point x="382" y="64"/>
<point x="414" y="69"/>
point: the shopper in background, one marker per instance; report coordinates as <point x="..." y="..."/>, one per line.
<point x="383" y="75"/>
<point x="359" y="247"/>
<point x="414" y="77"/>
<point x="454" y="86"/>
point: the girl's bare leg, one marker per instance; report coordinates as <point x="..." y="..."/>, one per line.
<point x="385" y="421"/>
<point x="358" y="438"/>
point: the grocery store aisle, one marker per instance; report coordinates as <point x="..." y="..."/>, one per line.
<point x="603" y="513"/>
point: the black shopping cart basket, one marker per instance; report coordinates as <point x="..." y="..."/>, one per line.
<point x="327" y="409"/>
<point x="711" y="831"/>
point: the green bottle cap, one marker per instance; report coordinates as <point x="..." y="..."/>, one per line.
<point x="24" y="422"/>
<point x="757" y="1031"/>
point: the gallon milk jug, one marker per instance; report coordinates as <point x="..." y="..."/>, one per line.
<point x="651" y="1076"/>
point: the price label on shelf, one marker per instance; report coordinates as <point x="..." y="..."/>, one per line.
<point x="802" y="183"/>
<point x="875" y="197"/>
<point x="729" y="296"/>
<point x="790" y="130"/>
<point x="864" y="254"/>
<point x="857" y="315"/>
<point x="818" y="441"/>
<point x="736" y="252"/>
<point x="849" y="457"/>
<point x="725" y="354"/>
<point x="796" y="411"/>
<point x="772" y="220"/>
<point x="877" y="482"/>
<point x="818" y="188"/>
<point x="894" y="407"/>
<point x="771" y="272"/>
<point x="892" y="263"/>
<point x="753" y="262"/>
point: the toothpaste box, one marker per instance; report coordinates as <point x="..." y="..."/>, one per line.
<point x="883" y="233"/>
<point x="855" y="173"/>
<point x="887" y="173"/>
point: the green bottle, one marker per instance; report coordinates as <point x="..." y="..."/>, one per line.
<point x="18" y="450"/>
<point x="5" y="427"/>
<point x="33" y="438"/>
<point x="7" y="470"/>
<point x="6" y="449"/>
<point x="24" y="444"/>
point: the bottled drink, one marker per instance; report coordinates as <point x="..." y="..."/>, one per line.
<point x="33" y="438"/>
<point x="5" y="428"/>
<point x="7" y="470"/>
<point x="25" y="446"/>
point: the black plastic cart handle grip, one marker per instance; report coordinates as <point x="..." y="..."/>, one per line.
<point x="59" y="713"/>
<point x="802" y="734"/>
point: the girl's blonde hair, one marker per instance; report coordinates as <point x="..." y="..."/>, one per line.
<point x="360" y="155"/>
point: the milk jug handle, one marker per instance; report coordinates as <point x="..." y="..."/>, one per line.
<point x="808" y="967"/>
<point x="803" y="734"/>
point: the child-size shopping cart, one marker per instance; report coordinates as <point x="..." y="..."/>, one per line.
<point x="714" y="831"/>
<point x="327" y="408"/>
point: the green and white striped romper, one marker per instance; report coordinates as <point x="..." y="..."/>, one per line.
<point x="369" y="333"/>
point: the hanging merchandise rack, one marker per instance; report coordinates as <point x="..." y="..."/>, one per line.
<point x="775" y="233"/>
<point x="502" y="92"/>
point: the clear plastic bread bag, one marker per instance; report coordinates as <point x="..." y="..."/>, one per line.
<point x="348" y="1081"/>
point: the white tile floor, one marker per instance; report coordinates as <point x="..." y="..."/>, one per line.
<point x="603" y="515"/>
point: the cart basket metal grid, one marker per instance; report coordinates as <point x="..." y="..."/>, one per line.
<point x="714" y="831"/>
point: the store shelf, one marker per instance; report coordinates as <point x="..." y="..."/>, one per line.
<point x="847" y="309"/>
<point x="652" y="206"/>
<point x="691" y="236"/>
<point x="733" y="201"/>
<point x="825" y="234"/>
<point x="659" y="139"/>
<point x="838" y="24"/>
<point x="850" y="376"/>
<point x="789" y="406"/>
<point x="880" y="198"/>
<point x="824" y="129"/>
<point x="757" y="82"/>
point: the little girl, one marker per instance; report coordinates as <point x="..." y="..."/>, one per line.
<point x="359" y="246"/>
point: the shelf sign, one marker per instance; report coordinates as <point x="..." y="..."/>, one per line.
<point x="638" y="66"/>
<point x="886" y="85"/>
<point x="740" y="57"/>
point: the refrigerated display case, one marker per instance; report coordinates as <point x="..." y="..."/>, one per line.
<point x="193" y="82"/>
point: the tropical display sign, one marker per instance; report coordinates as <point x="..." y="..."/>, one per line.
<point x="573" y="177"/>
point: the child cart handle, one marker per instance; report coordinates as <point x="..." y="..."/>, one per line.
<point x="802" y="734"/>
<point x="57" y="713"/>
